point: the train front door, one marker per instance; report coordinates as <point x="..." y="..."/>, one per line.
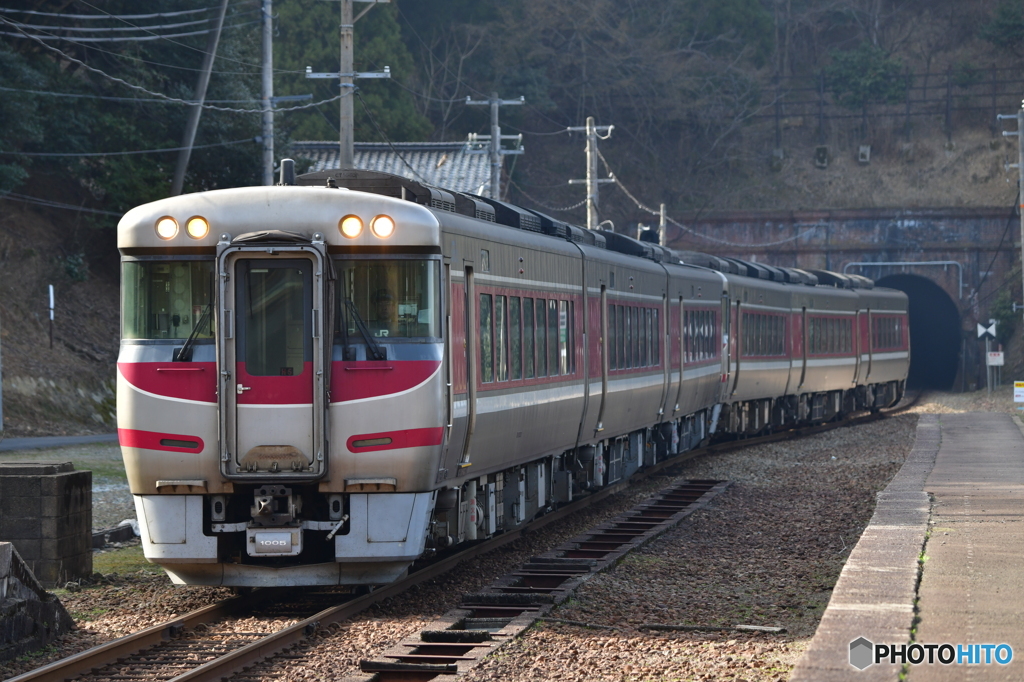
<point x="272" y="363"/>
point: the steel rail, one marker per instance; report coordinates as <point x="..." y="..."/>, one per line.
<point x="269" y="646"/>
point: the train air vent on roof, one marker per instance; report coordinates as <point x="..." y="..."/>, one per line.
<point x="805" y="277"/>
<point x="552" y="226"/>
<point x="861" y="282"/>
<point x="623" y="244"/>
<point x="384" y="184"/>
<point x="582" y="235"/>
<point x="704" y="260"/>
<point x="472" y="206"/>
<point x="832" y="279"/>
<point x="441" y="200"/>
<point x="513" y="216"/>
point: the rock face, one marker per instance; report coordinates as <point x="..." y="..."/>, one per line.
<point x="30" y="617"/>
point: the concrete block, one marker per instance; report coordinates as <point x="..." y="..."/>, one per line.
<point x="20" y="528"/>
<point x="29" y="550"/>
<point x="18" y="486"/>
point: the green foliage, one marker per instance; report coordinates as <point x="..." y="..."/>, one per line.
<point x="866" y="74"/>
<point x="1006" y="27"/>
<point x="18" y="111"/>
<point x="1006" y="319"/>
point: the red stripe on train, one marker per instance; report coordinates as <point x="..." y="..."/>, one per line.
<point x="154" y="440"/>
<point x="370" y="379"/>
<point x="276" y="389"/>
<point x="185" y="380"/>
<point x="393" y="440"/>
<point x="349" y="381"/>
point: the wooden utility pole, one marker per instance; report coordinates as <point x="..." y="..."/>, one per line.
<point x="346" y="81"/>
<point x="592" y="181"/>
<point x="494" y="149"/>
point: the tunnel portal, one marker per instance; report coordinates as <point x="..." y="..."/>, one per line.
<point x="934" y="332"/>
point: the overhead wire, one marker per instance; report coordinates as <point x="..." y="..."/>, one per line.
<point x="678" y="224"/>
<point x="11" y="196"/>
<point x="563" y="209"/>
<point x="111" y="98"/>
<point x="129" y="153"/>
<point x="78" y="17"/>
<point x="167" y="97"/>
<point x="385" y="137"/>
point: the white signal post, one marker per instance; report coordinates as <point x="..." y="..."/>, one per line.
<point x="592" y="181"/>
<point x="51" y="316"/>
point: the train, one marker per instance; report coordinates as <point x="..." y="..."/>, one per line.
<point x="323" y="381"/>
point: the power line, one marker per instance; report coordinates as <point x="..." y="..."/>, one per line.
<point x="174" y="42"/>
<point x="111" y="98"/>
<point x="160" y="94"/>
<point x="11" y="196"/>
<point x="129" y="153"/>
<point x="540" y="203"/>
<point x="385" y="137"/>
<point x="79" y="17"/>
<point x="678" y="224"/>
<point x="112" y="29"/>
<point x="124" y="39"/>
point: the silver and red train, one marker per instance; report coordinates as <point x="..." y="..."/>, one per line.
<point x="320" y="382"/>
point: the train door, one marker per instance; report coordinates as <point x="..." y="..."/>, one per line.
<point x="272" y="362"/>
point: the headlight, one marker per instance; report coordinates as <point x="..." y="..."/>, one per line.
<point x="166" y="228"/>
<point x="351" y="226"/>
<point x="197" y="227"/>
<point x="383" y="226"/>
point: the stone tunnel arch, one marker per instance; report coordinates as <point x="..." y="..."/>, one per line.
<point x="934" y="331"/>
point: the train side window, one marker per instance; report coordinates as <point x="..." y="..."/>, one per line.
<point x="628" y="347"/>
<point x="613" y="337"/>
<point x="572" y="337"/>
<point x="541" y="330"/>
<point x="528" y="337"/>
<point x="642" y="359"/>
<point x="501" y="336"/>
<point x="485" y="260"/>
<point x="620" y="322"/>
<point x="636" y="316"/>
<point x="552" y="337"/>
<point x="486" y="340"/>
<point x="515" y="333"/>
<point x="655" y="340"/>
<point x="563" y="337"/>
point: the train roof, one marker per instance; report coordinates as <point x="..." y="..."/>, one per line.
<point x="240" y="208"/>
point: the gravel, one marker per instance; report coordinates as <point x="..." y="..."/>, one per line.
<point x="766" y="552"/>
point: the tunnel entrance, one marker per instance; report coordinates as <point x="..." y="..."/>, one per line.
<point x="934" y="331"/>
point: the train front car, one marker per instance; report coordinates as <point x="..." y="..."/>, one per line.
<point x="280" y="385"/>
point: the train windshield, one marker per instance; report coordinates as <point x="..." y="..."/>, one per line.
<point x="167" y="299"/>
<point x="393" y="299"/>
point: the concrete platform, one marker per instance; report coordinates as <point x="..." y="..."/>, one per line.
<point x="941" y="562"/>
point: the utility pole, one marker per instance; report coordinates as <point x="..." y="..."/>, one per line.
<point x="200" y="96"/>
<point x="592" y="180"/>
<point x="494" y="149"/>
<point x="1019" y="133"/>
<point x="661" y="226"/>
<point x="346" y="77"/>
<point x="268" y="93"/>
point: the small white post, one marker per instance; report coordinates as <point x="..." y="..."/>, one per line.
<point x="51" y="316"/>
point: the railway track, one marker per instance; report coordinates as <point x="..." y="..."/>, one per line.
<point x="207" y="644"/>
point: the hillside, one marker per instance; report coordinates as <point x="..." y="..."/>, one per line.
<point x="67" y="389"/>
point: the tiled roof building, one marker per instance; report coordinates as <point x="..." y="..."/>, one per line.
<point x="442" y="164"/>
